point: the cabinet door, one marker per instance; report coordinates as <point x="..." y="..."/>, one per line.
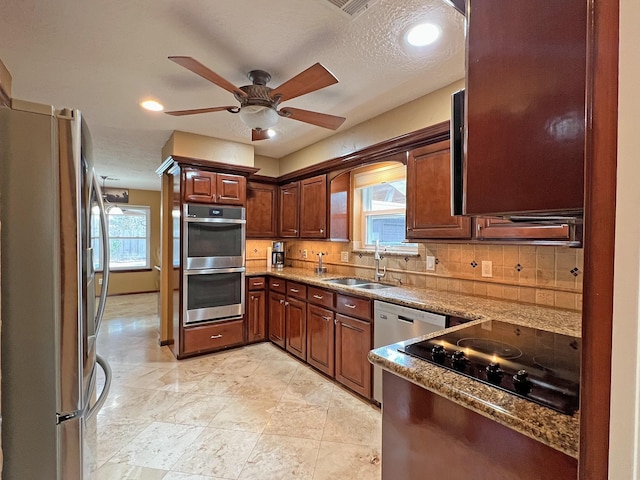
<point x="320" y="343"/>
<point x="498" y="228"/>
<point x="429" y="195"/>
<point x="313" y="207"/>
<point x="231" y="189"/>
<point x="288" y="218"/>
<point x="256" y="313"/>
<point x="277" y="318"/>
<point x="353" y="342"/>
<point x="261" y="210"/>
<point x="525" y="106"/>
<point x="199" y="186"/>
<point x="296" y="327"/>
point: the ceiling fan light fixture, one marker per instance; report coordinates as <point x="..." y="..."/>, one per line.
<point x="258" y="117"/>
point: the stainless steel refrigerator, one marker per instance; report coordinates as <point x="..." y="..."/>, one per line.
<point x="50" y="312"/>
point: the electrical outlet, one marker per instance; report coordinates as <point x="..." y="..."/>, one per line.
<point x="99" y="281"/>
<point x="431" y="262"/>
<point x="344" y="256"/>
<point x="487" y="268"/>
<point x="304" y="253"/>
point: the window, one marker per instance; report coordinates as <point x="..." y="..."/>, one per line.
<point x="129" y="238"/>
<point x="380" y="199"/>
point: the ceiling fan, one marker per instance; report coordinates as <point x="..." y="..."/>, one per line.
<point x="259" y="103"/>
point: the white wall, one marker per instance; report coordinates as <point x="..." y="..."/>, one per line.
<point x="624" y="449"/>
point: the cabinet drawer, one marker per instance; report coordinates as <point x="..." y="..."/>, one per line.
<point x="354" y="306"/>
<point x="256" y="283"/>
<point x="320" y="297"/>
<point x="212" y="337"/>
<point x="277" y="285"/>
<point x="297" y="290"/>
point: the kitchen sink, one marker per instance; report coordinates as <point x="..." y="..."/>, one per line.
<point x="373" y="286"/>
<point x="353" y="282"/>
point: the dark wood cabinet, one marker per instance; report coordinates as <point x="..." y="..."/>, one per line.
<point x="256" y="310"/>
<point x="277" y="318"/>
<point x="296" y="327"/>
<point x="201" y="186"/>
<point x="211" y="337"/>
<point x="429" y="195"/>
<point x="313" y="207"/>
<point x="288" y="220"/>
<point x="422" y="431"/>
<point x="525" y="106"/>
<point x="230" y="189"/>
<point x="488" y="228"/>
<point x="353" y="342"/>
<point x="262" y="212"/>
<point x="320" y="338"/>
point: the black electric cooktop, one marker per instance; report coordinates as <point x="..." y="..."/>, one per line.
<point x="538" y="365"/>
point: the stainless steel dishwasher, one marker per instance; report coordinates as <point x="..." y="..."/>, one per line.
<point x="394" y="323"/>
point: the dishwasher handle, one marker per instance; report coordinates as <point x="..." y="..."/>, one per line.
<point x="402" y="318"/>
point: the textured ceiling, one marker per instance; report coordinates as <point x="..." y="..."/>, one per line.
<point x="104" y="56"/>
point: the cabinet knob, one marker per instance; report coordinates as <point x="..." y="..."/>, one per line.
<point x="322" y="230"/>
<point x="286" y="304"/>
<point x="478" y="227"/>
<point x="281" y="302"/>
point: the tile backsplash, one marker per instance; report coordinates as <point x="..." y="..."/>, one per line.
<point x="544" y="275"/>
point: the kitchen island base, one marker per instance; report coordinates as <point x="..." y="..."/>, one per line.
<point x="426" y="435"/>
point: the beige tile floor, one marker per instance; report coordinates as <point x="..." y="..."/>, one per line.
<point x="249" y="413"/>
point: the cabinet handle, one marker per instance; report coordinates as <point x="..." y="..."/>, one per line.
<point x="478" y="227"/>
<point x="216" y="336"/>
<point x="319" y="297"/>
<point x="275" y="284"/>
<point x="350" y="327"/>
<point x="348" y="305"/>
<point x="326" y="318"/>
<point x="295" y="231"/>
<point x="286" y="304"/>
<point x="335" y="321"/>
<point x="257" y="284"/>
<point x="294" y="290"/>
<point x="281" y="302"/>
<point x="322" y="230"/>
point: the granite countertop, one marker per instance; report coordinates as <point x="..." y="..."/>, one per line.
<point x="557" y="430"/>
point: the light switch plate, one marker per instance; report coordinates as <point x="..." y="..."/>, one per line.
<point x="304" y="253"/>
<point x="431" y="262"/>
<point x="344" y="256"/>
<point x="487" y="268"/>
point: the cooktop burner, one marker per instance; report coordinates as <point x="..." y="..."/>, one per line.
<point x="538" y="365"/>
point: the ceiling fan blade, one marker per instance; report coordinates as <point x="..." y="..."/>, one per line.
<point x="178" y="113"/>
<point x="196" y="67"/>
<point x="259" y="135"/>
<point x="314" y="118"/>
<point x="312" y="79"/>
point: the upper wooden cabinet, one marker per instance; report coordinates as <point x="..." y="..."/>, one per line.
<point x="525" y="106"/>
<point x="201" y="186"/>
<point x="429" y="195"/>
<point x="339" y="215"/>
<point x="262" y="201"/>
<point x="288" y="223"/>
<point x="313" y="207"/>
<point x="303" y="208"/>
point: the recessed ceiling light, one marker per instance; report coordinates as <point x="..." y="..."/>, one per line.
<point x="152" y="105"/>
<point x="423" y="34"/>
<point x="271" y="132"/>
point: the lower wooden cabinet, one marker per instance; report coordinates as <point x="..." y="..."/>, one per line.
<point x="353" y="342"/>
<point x="256" y="309"/>
<point x="296" y="327"/>
<point x="320" y="338"/>
<point x="277" y="318"/>
<point x="213" y="336"/>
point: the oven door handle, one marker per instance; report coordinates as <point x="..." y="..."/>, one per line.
<point x="212" y="220"/>
<point x="208" y="271"/>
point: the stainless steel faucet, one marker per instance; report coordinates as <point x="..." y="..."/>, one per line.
<point x="376" y="256"/>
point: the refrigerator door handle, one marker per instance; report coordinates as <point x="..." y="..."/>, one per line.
<point x="104" y="230"/>
<point x="108" y="375"/>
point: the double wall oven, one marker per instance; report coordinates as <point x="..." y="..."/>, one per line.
<point x="213" y="260"/>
